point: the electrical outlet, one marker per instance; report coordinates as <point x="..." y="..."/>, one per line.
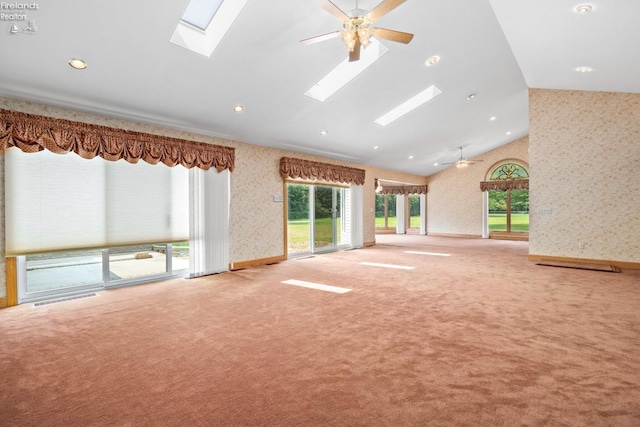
<point x="581" y="245"/>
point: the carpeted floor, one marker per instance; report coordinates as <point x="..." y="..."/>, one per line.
<point x="482" y="337"/>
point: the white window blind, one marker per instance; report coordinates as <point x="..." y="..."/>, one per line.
<point x="59" y="202"/>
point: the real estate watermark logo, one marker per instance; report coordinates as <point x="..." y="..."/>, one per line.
<point x="19" y="16"/>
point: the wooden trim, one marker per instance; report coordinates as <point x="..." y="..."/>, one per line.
<point x="620" y="264"/>
<point x="368" y="244"/>
<point x="505" y="235"/>
<point x="3" y="302"/>
<point x="255" y="262"/>
<point x="12" y="281"/>
<point x="466" y="236"/>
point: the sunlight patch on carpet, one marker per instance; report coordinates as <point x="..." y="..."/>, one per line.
<point x="400" y="267"/>
<point x="318" y="286"/>
<point x="426" y="253"/>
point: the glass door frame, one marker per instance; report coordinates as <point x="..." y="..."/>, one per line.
<point x="106" y="282"/>
<point x="336" y="211"/>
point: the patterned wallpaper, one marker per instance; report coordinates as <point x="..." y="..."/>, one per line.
<point x="256" y="221"/>
<point x="585" y="158"/>
<point x="454" y="200"/>
<point x="3" y="288"/>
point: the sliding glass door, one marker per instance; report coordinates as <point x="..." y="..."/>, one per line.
<point x="325" y="216"/>
<point x="317" y="218"/>
<point x="53" y="274"/>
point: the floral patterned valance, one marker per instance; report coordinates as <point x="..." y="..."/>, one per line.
<point x="32" y="133"/>
<point x="403" y="189"/>
<point x="512" y="184"/>
<point x="305" y="169"/>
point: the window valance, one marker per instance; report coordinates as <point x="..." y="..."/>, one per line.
<point x="32" y="133"/>
<point x="504" y="185"/>
<point x="305" y="169"/>
<point x="403" y="189"/>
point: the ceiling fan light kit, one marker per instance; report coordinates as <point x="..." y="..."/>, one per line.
<point x="461" y="162"/>
<point x="356" y="27"/>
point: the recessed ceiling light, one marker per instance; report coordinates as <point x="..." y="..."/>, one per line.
<point x="492" y="118"/>
<point x="435" y="164"/>
<point x="584" y="8"/>
<point x="238" y="108"/>
<point x="324" y="133"/>
<point x="410" y="157"/>
<point x="470" y="97"/>
<point x="376" y="147"/>
<point x="78" y="64"/>
<point x="509" y="133"/>
<point x="584" y="69"/>
<point x="432" y="61"/>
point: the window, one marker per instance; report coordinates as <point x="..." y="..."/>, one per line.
<point x="508" y="207"/>
<point x="80" y="224"/>
<point x="53" y="273"/>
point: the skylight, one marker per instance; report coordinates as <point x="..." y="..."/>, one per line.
<point x="426" y="95"/>
<point x="199" y="13"/>
<point x="346" y="71"/>
<point x="205" y="23"/>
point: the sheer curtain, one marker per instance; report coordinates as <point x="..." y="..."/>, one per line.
<point x="208" y="221"/>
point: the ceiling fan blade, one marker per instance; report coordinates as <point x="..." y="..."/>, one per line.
<point x="394" y="36"/>
<point x="383" y="8"/>
<point x="354" y="55"/>
<point x="318" y="39"/>
<point x="330" y="7"/>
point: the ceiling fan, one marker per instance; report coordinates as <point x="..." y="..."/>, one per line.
<point x="356" y="26"/>
<point x="461" y="162"/>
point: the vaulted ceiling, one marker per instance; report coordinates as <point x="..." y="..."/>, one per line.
<point x="493" y="49"/>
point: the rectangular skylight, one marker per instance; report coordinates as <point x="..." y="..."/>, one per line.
<point x="346" y="71"/>
<point x="426" y="95"/>
<point x="216" y="16"/>
<point x="199" y="13"/>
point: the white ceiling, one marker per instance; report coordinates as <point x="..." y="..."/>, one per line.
<point x="495" y="49"/>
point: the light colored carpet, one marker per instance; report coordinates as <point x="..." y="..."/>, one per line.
<point x="482" y="337"/>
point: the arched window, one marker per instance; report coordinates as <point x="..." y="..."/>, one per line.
<point x="508" y="202"/>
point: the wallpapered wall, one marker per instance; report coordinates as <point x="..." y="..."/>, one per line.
<point x="256" y="221"/>
<point x="454" y="200"/>
<point x="585" y="158"/>
<point x="3" y="288"/>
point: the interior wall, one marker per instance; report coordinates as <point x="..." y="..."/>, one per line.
<point x="256" y="220"/>
<point x="3" y="286"/>
<point x="585" y="158"/>
<point x="454" y="199"/>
